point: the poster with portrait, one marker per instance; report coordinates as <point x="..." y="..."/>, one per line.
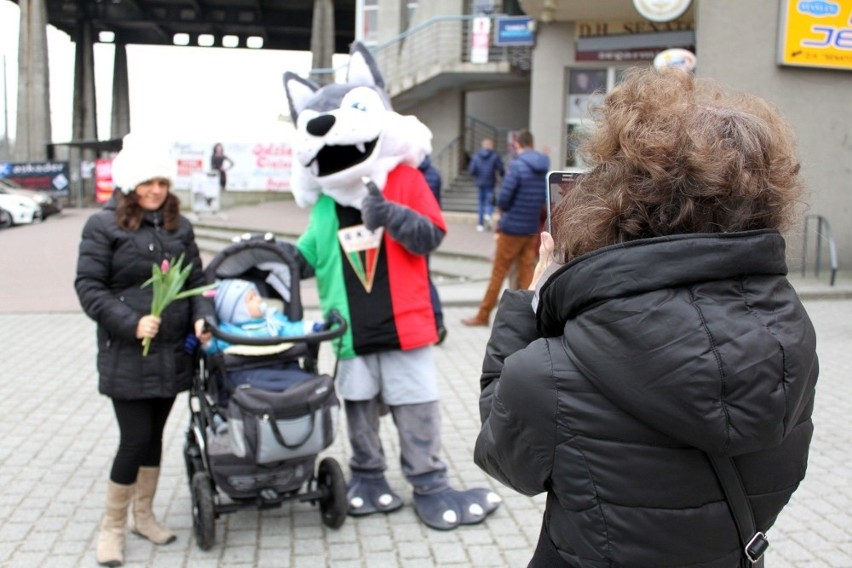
<point x="239" y="166"/>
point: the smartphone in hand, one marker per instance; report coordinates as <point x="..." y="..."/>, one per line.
<point x="559" y="183"/>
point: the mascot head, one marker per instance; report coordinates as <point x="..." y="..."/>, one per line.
<point x="347" y="131"/>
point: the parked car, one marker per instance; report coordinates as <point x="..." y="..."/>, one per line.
<point x="5" y="219"/>
<point x="49" y="203"/>
<point x="21" y="209"/>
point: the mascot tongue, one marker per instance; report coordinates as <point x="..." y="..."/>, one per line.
<point x="348" y="131"/>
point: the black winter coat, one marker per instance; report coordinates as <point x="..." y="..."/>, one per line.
<point x="641" y="358"/>
<point x="111" y="267"/>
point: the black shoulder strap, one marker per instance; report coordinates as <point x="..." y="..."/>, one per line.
<point x="754" y="542"/>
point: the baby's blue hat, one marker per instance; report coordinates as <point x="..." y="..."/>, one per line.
<point x="230" y="300"/>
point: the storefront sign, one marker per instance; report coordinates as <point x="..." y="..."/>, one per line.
<point x="515" y="31"/>
<point x="480" y="40"/>
<point x="596" y="28"/>
<point x="816" y="33"/>
<point x="51" y="176"/>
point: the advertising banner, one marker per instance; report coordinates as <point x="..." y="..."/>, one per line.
<point x="103" y="180"/>
<point x="239" y="166"/>
<point x="52" y="176"/>
<point x="816" y="33"/>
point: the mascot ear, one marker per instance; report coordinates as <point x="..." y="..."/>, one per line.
<point x="298" y="90"/>
<point x="363" y="69"/>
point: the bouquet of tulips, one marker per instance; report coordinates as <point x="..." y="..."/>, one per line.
<point x="168" y="280"/>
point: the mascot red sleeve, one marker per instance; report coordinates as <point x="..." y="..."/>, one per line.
<point x="373" y="221"/>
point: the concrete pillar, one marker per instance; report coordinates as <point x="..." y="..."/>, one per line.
<point x="120" y="123"/>
<point x="322" y="39"/>
<point x="33" y="132"/>
<point x="84" y="124"/>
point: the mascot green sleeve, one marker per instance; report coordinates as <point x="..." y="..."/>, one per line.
<point x="373" y="221"/>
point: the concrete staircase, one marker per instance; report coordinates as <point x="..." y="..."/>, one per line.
<point x="460" y="195"/>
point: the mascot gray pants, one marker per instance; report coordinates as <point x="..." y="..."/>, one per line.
<point x="419" y="429"/>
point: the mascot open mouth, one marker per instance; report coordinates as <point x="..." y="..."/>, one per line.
<point x="333" y="159"/>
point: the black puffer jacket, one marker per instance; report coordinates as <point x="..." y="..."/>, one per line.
<point x="641" y="358"/>
<point x="112" y="265"/>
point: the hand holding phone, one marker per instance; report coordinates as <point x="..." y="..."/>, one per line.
<point x="559" y="183"/>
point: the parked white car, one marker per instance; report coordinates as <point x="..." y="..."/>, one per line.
<point x="20" y="209"/>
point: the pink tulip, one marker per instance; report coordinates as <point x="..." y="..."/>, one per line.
<point x="164" y="267"/>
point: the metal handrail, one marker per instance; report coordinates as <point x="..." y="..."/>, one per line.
<point x="824" y="234"/>
<point x="449" y="159"/>
<point x="436" y="43"/>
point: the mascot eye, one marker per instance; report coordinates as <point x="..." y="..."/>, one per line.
<point x="363" y="99"/>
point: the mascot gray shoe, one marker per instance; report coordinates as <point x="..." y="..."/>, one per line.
<point x="371" y="494"/>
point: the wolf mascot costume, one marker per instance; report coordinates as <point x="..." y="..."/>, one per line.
<point x="372" y="223"/>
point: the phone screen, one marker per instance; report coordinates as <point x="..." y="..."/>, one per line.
<point x="559" y="183"/>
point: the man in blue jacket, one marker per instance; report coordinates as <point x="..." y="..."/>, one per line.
<point x="521" y="199"/>
<point x="485" y="166"/>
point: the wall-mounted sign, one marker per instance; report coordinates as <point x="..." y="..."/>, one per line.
<point x="515" y="31"/>
<point x="816" y="33"/>
<point x="661" y="10"/>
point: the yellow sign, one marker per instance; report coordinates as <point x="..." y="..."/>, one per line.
<point x="816" y="33"/>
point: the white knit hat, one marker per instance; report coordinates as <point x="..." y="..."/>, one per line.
<point x="141" y="159"/>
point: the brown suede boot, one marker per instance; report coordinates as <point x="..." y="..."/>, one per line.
<point x="144" y="523"/>
<point x="114" y="525"/>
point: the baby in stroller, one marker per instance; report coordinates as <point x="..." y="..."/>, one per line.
<point x="242" y="311"/>
<point x="260" y="409"/>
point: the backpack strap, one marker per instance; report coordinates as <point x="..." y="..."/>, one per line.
<point x="754" y="542"/>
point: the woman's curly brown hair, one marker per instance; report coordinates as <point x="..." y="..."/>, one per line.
<point x="128" y="212"/>
<point x="672" y="154"/>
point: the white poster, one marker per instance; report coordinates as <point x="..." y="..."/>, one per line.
<point x="480" y="40"/>
<point x="238" y="166"/>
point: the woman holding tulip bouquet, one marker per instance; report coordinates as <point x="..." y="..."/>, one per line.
<point x="140" y="228"/>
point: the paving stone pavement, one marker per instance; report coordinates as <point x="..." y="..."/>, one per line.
<point x="59" y="436"/>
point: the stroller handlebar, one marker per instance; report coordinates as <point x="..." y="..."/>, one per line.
<point x="338" y="328"/>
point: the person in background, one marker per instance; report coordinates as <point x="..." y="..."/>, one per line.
<point x="485" y="166"/>
<point x="221" y="163"/>
<point x="520" y="201"/>
<point x="139" y="227"/>
<point x="670" y="342"/>
<point x="433" y="180"/>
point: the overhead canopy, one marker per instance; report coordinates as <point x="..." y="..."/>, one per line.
<point x="99" y="146"/>
<point x="280" y="24"/>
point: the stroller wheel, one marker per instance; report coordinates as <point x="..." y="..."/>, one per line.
<point x="332" y="486"/>
<point x="203" y="510"/>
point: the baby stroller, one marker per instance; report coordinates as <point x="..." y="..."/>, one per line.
<point x="260" y="447"/>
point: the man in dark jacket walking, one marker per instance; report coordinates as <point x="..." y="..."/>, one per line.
<point x="521" y="198"/>
<point x="485" y="166"/>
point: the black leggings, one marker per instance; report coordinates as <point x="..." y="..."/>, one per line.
<point x="141" y="424"/>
